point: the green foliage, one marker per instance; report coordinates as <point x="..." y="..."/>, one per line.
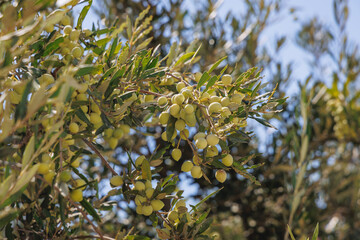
<point x="323" y="188"/>
<point x="314" y="236"/>
<point x="73" y="98"/>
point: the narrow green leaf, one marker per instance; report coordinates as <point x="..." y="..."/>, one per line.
<point x="217" y="164"/>
<point x="62" y="211"/>
<point x="263" y="122"/>
<point x="79" y="112"/>
<point x="215" y="65"/>
<point x="38" y="45"/>
<point x="168" y="177"/>
<point x="159" y="153"/>
<point x="90" y="210"/>
<point x="146" y="172"/>
<point x="211" y="82"/>
<point x="128" y="27"/>
<point x="144" y="44"/>
<point x="203" y="217"/>
<point x="7" y="216"/>
<point x="9" y="232"/>
<point x="244" y="76"/>
<point x="123" y="54"/>
<point x="141" y="16"/>
<point x="53" y="46"/>
<point x="238" y="138"/>
<point x="160" y="73"/>
<point x="29" y="150"/>
<point x="171" y="55"/>
<point x="169" y="189"/>
<point x="112" y="49"/>
<point x="20" y="110"/>
<point x="255" y="90"/>
<point x="152" y="63"/>
<point x="291" y="234"/>
<point x="137" y="237"/>
<point x="255" y="166"/>
<point x="25" y="177"/>
<point x="203" y="80"/>
<point x="205" y="225"/>
<point x="78" y="173"/>
<point x="316" y="232"/>
<point x="87" y="69"/>
<point x="114" y="82"/>
<point x="105" y="120"/>
<point x="12" y="198"/>
<point x="20" y="185"/>
<point x="196" y="52"/>
<point x="238" y="167"/>
<point x="183" y="58"/>
<point x="207" y="197"/>
<point x="170" y="128"/>
<point x="154" y="219"/>
<point x="223" y="145"/>
<point x="106" y="74"/>
<point x="6" y="184"/>
<point x="223" y="70"/>
<point x="83" y="14"/>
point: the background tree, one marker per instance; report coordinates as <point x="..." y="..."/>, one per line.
<point x="80" y="112"/>
<point x="317" y="129"/>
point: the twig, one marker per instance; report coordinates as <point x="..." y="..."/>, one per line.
<point x="96" y="229"/>
<point x="101" y="109"/>
<point x="164" y="219"/>
<point x="178" y="78"/>
<point x="190" y="143"/>
<point x="86" y="217"/>
<point x="61" y="149"/>
<point x="251" y="81"/>
<point x="90" y="236"/>
<point x="147" y="92"/>
<point x="207" y="116"/>
<point x="90" y="145"/>
<point x="152" y="93"/>
<point x="21" y="123"/>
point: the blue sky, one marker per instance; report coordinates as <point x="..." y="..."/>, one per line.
<point x="286" y="26"/>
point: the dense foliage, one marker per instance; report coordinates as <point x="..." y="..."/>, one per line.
<point x="53" y="88"/>
<point x="96" y="120"/>
<point x="318" y="127"/>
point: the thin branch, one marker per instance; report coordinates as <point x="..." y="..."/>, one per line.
<point x="250" y="81"/>
<point x="191" y="145"/>
<point x="152" y="93"/>
<point x="146" y="92"/>
<point x="91" y="236"/>
<point x="90" y="145"/>
<point x="207" y="115"/>
<point x="179" y="78"/>
<point x="101" y="109"/>
<point x="164" y="219"/>
<point x="96" y="229"/>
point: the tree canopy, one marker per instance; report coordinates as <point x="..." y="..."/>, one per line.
<point x="102" y="129"/>
<point x="77" y="105"/>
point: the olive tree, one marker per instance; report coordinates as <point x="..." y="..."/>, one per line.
<point x="78" y="110"/>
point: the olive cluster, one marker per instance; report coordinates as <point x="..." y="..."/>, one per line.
<point x="213" y="111"/>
